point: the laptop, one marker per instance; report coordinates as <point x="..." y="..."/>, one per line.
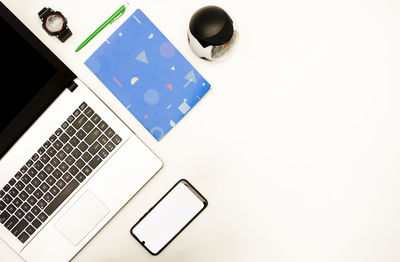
<point x="67" y="163"/>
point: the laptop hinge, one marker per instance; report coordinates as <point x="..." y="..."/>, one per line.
<point x="72" y="86"/>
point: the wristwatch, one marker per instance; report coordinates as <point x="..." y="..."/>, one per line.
<point x="55" y="24"/>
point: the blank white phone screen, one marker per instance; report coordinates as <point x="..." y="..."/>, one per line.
<point x="167" y="218"/>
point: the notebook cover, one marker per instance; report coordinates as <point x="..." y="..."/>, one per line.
<point x="148" y="74"/>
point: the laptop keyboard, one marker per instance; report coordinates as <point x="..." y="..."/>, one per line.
<point x="56" y="170"/>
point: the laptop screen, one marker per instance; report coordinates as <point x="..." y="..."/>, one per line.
<point x="24" y="73"/>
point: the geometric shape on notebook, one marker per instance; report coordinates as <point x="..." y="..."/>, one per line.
<point x="184" y="107"/>
<point x="142" y="57"/>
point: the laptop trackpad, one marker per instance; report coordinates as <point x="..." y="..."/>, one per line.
<point x="81" y="218"/>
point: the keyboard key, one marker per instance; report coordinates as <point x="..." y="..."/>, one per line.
<point x="42" y="217"/>
<point x="48" y="169"/>
<point x="103" y="126"/>
<point x="54" y="162"/>
<point x="51" y="152"/>
<point x="110" y="146"/>
<point x="46" y="144"/>
<point x="83" y="106"/>
<point x="29" y="163"/>
<point x="17" y="202"/>
<point x="70" y="118"/>
<point x="11" y="222"/>
<point x="81" y="134"/>
<point x="42" y="204"/>
<point x="93" y="149"/>
<point x="23" y="169"/>
<point x="61" y="155"/>
<point x="4" y="216"/>
<point x="92" y="136"/>
<point x="13" y="192"/>
<point x="45" y="158"/>
<point x="35" y="157"/>
<point x="12" y="182"/>
<point x="109" y="132"/>
<point x="73" y="170"/>
<point x="2" y="193"/>
<point x="50" y="180"/>
<point x="30" y="230"/>
<point x="76" y="113"/>
<point x="26" y="179"/>
<point x="57" y="173"/>
<point x="79" y="163"/>
<point x="87" y="170"/>
<point x="61" y="184"/>
<point x="74" y="141"/>
<point x="57" y="145"/>
<point x="29" y="189"/>
<point x="76" y="153"/>
<point x="52" y="138"/>
<point x="29" y="217"/>
<point x="64" y="138"/>
<point x="23" y="195"/>
<point x="36" y="223"/>
<point x="80" y="177"/>
<point x="67" y="177"/>
<point x="103" y="139"/>
<point x="67" y="148"/>
<point x="19" y="213"/>
<point x="78" y="123"/>
<point x="70" y="131"/>
<point x="88" y="127"/>
<point x="44" y="187"/>
<point x="58" y="132"/>
<point x="32" y="172"/>
<point x="6" y="188"/>
<point x="83" y="146"/>
<point x="25" y="207"/>
<point x="38" y="194"/>
<point x="31" y="200"/>
<point x="35" y="182"/>
<point x="64" y="125"/>
<point x="11" y="209"/>
<point x="95" y="119"/>
<point x="86" y="157"/>
<point x="19" y="185"/>
<point x="20" y="227"/>
<point x="116" y="139"/>
<point x="42" y="175"/>
<point x="48" y="197"/>
<point x="54" y="190"/>
<point x="70" y="161"/>
<point x="41" y="150"/>
<point x="36" y="210"/>
<point x="7" y="199"/>
<point x="61" y="197"/>
<point x="2" y="205"/>
<point x="88" y="112"/>
<point x="38" y="165"/>
<point x="17" y="176"/>
<point x="23" y="237"/>
<point x="95" y="162"/>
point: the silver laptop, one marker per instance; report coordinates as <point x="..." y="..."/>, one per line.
<point x="68" y="164"/>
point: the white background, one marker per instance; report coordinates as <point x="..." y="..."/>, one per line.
<point x="296" y="147"/>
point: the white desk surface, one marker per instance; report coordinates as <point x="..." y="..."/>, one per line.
<point x="296" y="147"/>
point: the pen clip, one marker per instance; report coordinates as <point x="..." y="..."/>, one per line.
<point x="118" y="16"/>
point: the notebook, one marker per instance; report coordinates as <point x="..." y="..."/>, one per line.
<point x="148" y="75"/>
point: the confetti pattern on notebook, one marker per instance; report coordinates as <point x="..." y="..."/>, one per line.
<point x="148" y="75"/>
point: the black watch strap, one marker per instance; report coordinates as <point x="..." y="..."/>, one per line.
<point x="45" y="12"/>
<point x="65" y="34"/>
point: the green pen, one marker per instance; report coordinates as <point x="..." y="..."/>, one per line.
<point x="110" y="20"/>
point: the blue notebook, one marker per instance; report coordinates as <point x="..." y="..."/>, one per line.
<point x="148" y="74"/>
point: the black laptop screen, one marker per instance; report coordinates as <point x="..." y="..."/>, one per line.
<point x="24" y="73"/>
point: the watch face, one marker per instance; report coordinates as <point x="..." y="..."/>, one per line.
<point x="54" y="23"/>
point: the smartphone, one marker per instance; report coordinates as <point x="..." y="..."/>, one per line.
<point x="168" y="217"/>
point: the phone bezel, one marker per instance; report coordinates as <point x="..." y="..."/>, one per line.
<point x="195" y="192"/>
